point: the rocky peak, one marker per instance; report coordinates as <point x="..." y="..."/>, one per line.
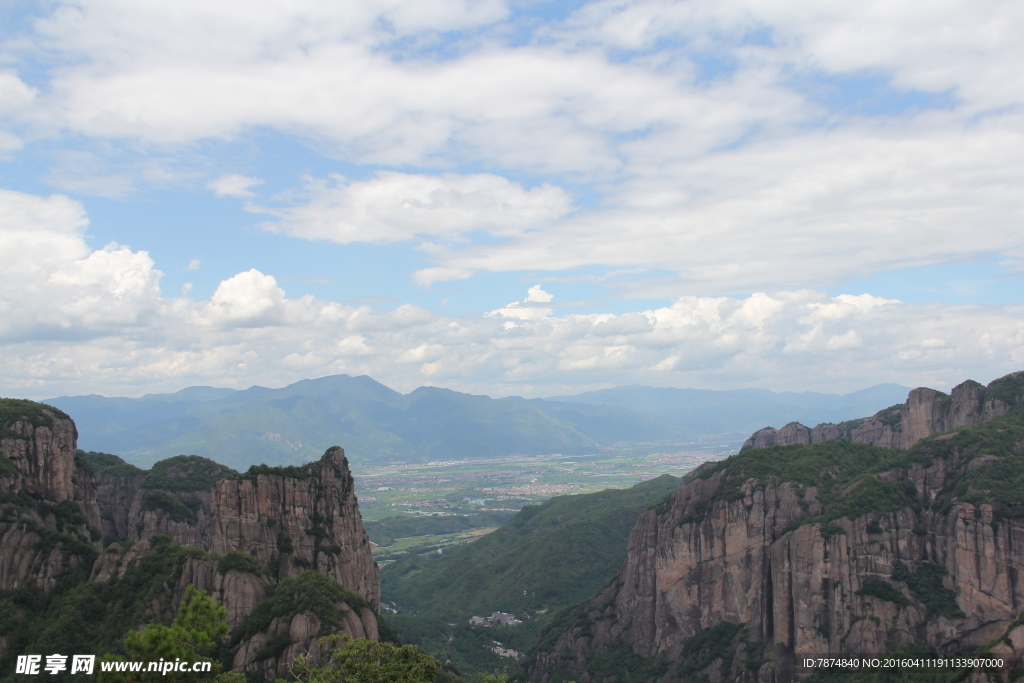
<point x="50" y="520"/>
<point x="836" y="549"/>
<point x="925" y="412"/>
<point x="242" y="537"/>
<point x="299" y="517"/>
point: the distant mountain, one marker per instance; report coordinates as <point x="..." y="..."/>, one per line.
<point x="376" y="424"/>
<point x="705" y="411"/>
<point x="292" y="424"/>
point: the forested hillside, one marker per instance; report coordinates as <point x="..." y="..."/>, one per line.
<point x="546" y="557"/>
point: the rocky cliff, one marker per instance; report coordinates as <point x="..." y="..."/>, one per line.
<point x="261" y="542"/>
<point x="834" y="548"/>
<point x="49" y="524"/>
<point x="925" y="412"/>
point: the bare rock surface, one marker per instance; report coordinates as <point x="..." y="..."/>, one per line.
<point x="924" y="413"/>
<point x="283" y="521"/>
<point x="751" y="555"/>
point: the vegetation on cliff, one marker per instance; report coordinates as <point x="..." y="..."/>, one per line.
<point x="108" y="464"/>
<point x="195" y="635"/>
<point x="177" y="509"/>
<point x="93" y="617"/>
<point x="310" y="592"/>
<point x="16" y="409"/>
<point x="973" y="472"/>
<point x="367" y="661"/>
<point x="185" y="473"/>
<point x="86" y="617"/>
<point x="852" y="479"/>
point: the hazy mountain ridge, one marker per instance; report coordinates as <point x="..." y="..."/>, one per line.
<point x="708" y="411"/>
<point x="294" y="424"/>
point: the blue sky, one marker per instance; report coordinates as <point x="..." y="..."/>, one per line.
<point x="709" y="194"/>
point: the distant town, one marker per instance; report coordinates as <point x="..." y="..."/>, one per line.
<point x="496" y="619"/>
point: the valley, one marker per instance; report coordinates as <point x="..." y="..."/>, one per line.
<point x="487" y="491"/>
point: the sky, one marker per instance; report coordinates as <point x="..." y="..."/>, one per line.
<point x="510" y="197"/>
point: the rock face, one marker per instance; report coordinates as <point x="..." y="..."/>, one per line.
<point x="279" y="523"/>
<point x="119" y="499"/>
<point x="313" y="520"/>
<point x="925" y="412"/>
<point x="296" y="518"/>
<point x="50" y="522"/>
<point x="749" y="561"/>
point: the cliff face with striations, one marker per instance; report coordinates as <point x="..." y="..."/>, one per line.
<point x="249" y="540"/>
<point x="309" y="520"/>
<point x="829" y="549"/>
<point x="49" y="521"/>
<point x="925" y="412"/>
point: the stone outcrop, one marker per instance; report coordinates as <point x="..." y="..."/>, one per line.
<point x="278" y="522"/>
<point x="925" y="412"/>
<point x="298" y="634"/>
<point x="718" y="554"/>
<point x="119" y="498"/>
<point x="296" y="518"/>
<point x="313" y="519"/>
<point x="50" y="523"/>
<point x="42" y="448"/>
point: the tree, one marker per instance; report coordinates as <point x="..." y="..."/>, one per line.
<point x="193" y="635"/>
<point x="368" y="661"/>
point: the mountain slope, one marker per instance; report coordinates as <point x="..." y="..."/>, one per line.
<point x="546" y="557"/>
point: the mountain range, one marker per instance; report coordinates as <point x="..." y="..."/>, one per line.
<point x="295" y="423"/>
<point x="895" y="535"/>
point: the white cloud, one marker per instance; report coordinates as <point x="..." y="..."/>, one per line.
<point x="249" y="298"/>
<point x="628" y="155"/>
<point x="250" y="331"/>
<point x="393" y="207"/>
<point x="524" y="310"/>
<point x="194" y="264"/>
<point x="426" y="277"/>
<point x="735" y="182"/>
<point x="52" y="286"/>
<point x="821" y="209"/>
<point x="233" y="185"/>
<point x="538" y="295"/>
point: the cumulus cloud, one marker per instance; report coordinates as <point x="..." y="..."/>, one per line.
<point x="53" y="286"/>
<point x="527" y="309"/>
<point x="393" y="207"/>
<point x="537" y="295"/>
<point x="646" y="136"/>
<point x="735" y="180"/>
<point x="249" y="298"/>
<point x="251" y="331"/>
